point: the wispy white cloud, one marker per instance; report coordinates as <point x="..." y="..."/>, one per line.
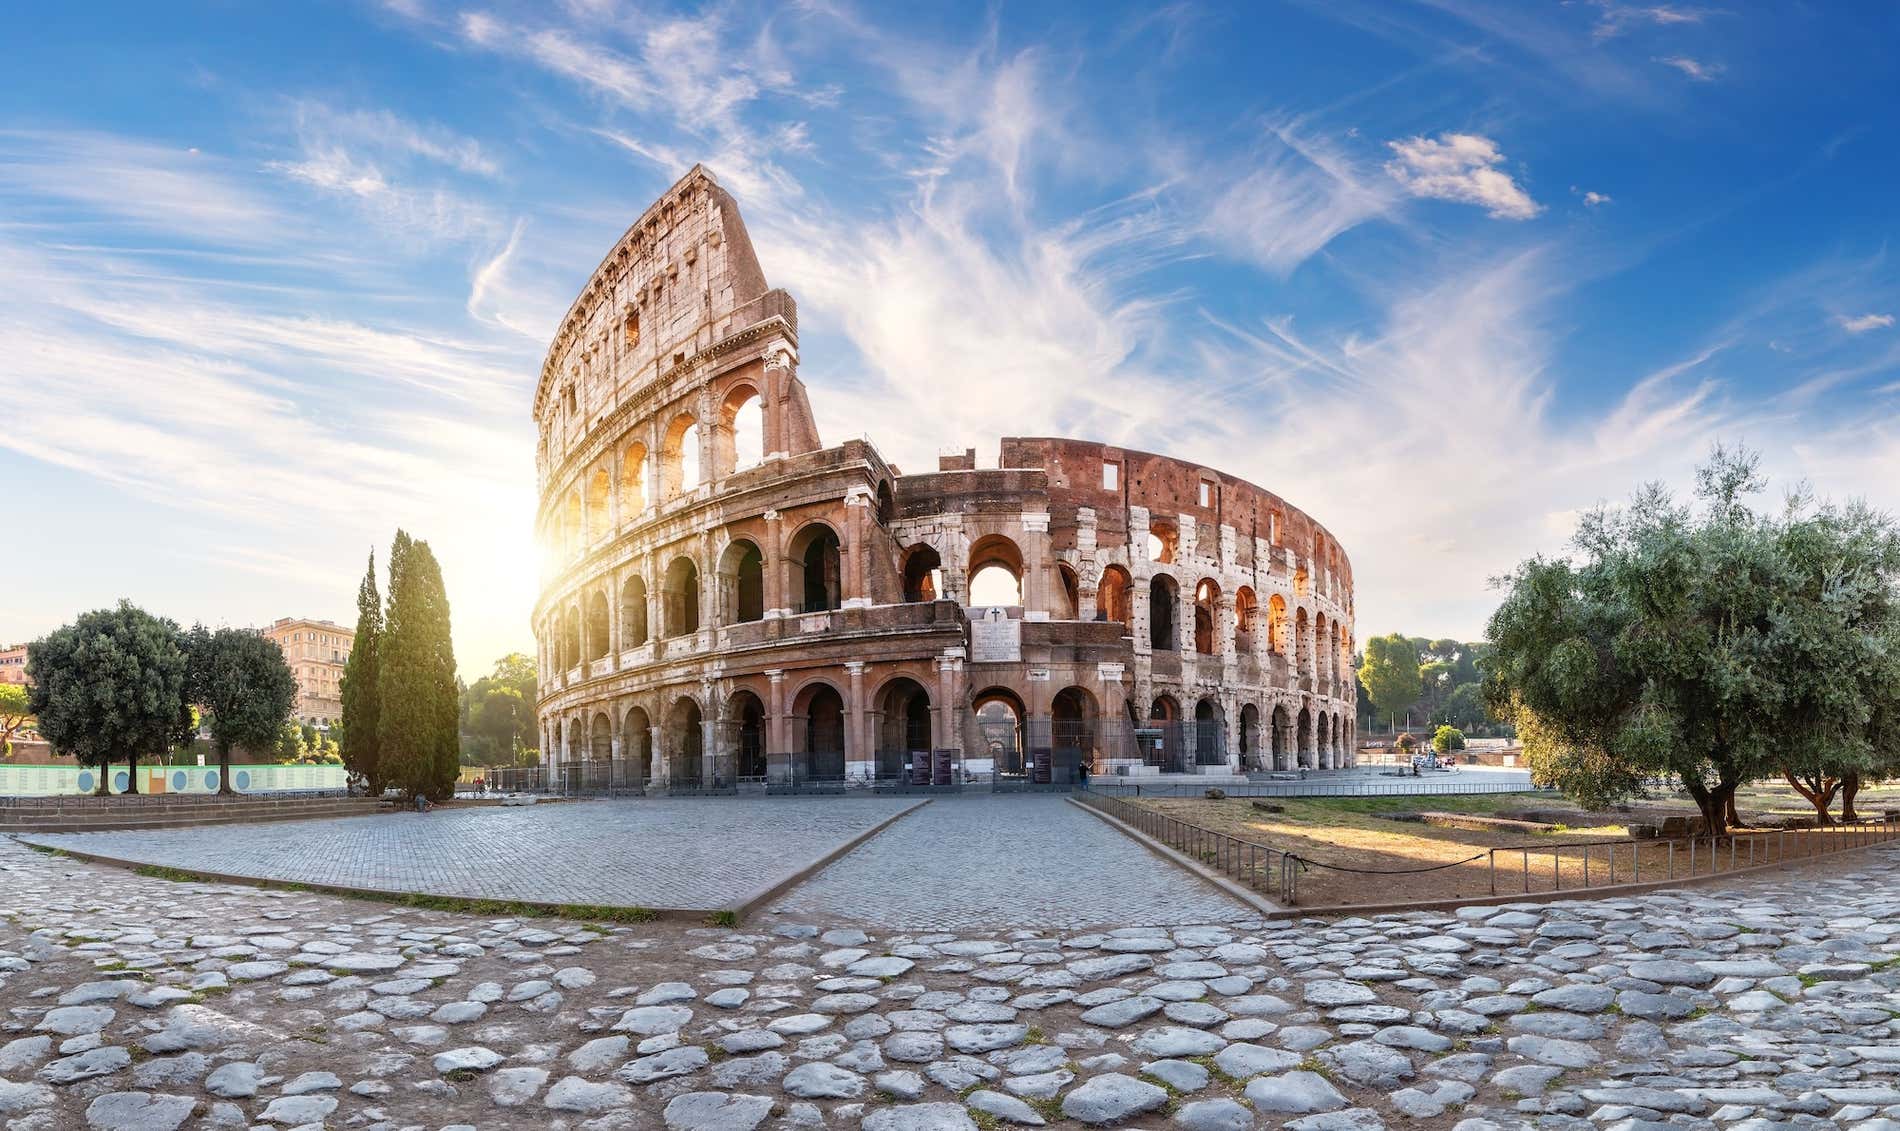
<point x="1593" y="199"/>
<point x="1299" y="196"/>
<point x="1862" y="323"/>
<point x="81" y="180"/>
<point x="382" y="131"/>
<point x="1617" y="19"/>
<point x="1694" y="68"/>
<point x="1462" y="168"/>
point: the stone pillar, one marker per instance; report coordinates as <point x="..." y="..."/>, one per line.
<point x="662" y="759"/>
<point x="1087" y="574"/>
<point x="773" y="567"/>
<point x="776" y="739"/>
<point x="854" y="593"/>
<point x="778" y="380"/>
<point x="1038" y="592"/>
<point x="857" y="754"/>
<point x="708" y="733"/>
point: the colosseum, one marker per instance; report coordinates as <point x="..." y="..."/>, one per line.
<point x="730" y="604"/>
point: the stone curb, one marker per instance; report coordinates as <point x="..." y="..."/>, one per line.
<point x="745" y="907"/>
<point x="1253" y="899"/>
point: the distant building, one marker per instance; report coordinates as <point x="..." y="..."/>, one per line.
<point x="13" y="664"/>
<point x="316" y="651"/>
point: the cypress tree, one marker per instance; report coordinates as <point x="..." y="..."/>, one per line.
<point x="417" y="730"/>
<point x="361" y="695"/>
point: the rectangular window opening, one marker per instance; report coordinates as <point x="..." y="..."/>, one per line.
<point x="1111" y="476"/>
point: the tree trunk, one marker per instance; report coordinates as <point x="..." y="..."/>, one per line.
<point x="1713" y="801"/>
<point x="1818" y="790"/>
<point x="104" y="788"/>
<point x="1850" y="785"/>
<point x="224" y="769"/>
<point x="1734" y="819"/>
<point x="132" y="773"/>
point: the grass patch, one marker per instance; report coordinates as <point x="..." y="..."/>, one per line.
<point x="159" y="872"/>
<point x="723" y="919"/>
<point x="43" y="850"/>
<point x="1050" y="1110"/>
<point x="1810" y="979"/>
<point x="1036" y="1036"/>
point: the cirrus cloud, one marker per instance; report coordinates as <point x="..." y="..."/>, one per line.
<point x="1462" y="168"/>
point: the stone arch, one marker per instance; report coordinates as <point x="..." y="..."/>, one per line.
<point x="633" y="611"/>
<point x="923" y="573"/>
<point x="679" y="597"/>
<point x="600" y="738"/>
<point x="679" y="457"/>
<point x="599" y="625"/>
<point x="571" y="525"/>
<point x="1322" y="741"/>
<point x="1073" y="724"/>
<point x="1210" y="732"/>
<point x="1250" y="752"/>
<point x="903" y="727"/>
<point x="886" y="503"/>
<point x="633" y="480"/>
<point x="814" y="568"/>
<point x="1246" y="614"/>
<point x="1071" y="584"/>
<point x="600" y="494"/>
<point x="571" y="638"/>
<point x="995" y="572"/>
<point x="1206" y="610"/>
<point x="1303" y="740"/>
<point x="1322" y="654"/>
<point x="745" y="724"/>
<point x="1277" y="624"/>
<point x="999" y="714"/>
<point x="742" y="581"/>
<point x="1302" y="662"/>
<point x="636" y="745"/>
<point x="1163" y="609"/>
<point x="741" y="432"/>
<point x="818" y="726"/>
<point x="1114" y="596"/>
<point x="685" y="742"/>
<point x="1283" y="740"/>
<point x="1164" y="540"/>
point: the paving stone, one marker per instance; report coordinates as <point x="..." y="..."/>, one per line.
<point x="1112" y="1098"/>
<point x="139" y="1111"/>
<point x="1294" y="1093"/>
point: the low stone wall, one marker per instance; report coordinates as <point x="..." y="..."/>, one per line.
<point x="143" y="811"/>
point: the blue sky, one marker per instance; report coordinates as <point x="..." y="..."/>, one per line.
<point x="276" y="279"/>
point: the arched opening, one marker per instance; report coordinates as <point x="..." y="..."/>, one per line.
<point x="597" y="625"/>
<point x="886" y="503"/>
<point x="1282" y="738"/>
<point x="1250" y="753"/>
<point x="571" y="639"/>
<point x="999" y="716"/>
<point x="679" y="456"/>
<point x="903" y="732"/>
<point x="633" y="480"/>
<point x="1072" y="729"/>
<point x="1246" y="612"/>
<point x="1071" y="592"/>
<point x="571" y="526"/>
<point x="600" y="746"/>
<point x="1163" y="601"/>
<point x="679" y="596"/>
<point x="1164" y="745"/>
<point x="814" y="569"/>
<point x="1302" y="649"/>
<point x="996" y="573"/>
<point x="1276" y="624"/>
<point x="685" y="744"/>
<point x="633" y="612"/>
<point x="636" y="747"/>
<point x="1163" y="539"/>
<point x="1114" y="596"/>
<point x="743" y="415"/>
<point x="600" y="492"/>
<point x="1322" y="654"/>
<point x="1210" y="733"/>
<point x="1322" y="744"/>
<point x="742" y="581"/>
<point x="745" y="720"/>
<point x="923" y="573"/>
<point x="1304" y="738"/>
<point x="818" y="723"/>
<point x="1206" y="606"/>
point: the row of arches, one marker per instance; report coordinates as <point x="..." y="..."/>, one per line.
<point x="673" y="461"/>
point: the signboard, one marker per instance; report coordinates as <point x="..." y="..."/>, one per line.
<point x="995" y="638"/>
<point x="1038" y="675"/>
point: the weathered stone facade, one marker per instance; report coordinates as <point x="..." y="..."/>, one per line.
<point x="709" y="610"/>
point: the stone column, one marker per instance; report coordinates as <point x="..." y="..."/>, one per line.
<point x="1087" y="574"/>
<point x="857" y="754"/>
<point x="776" y="740"/>
<point x="773" y="567"/>
<point x="662" y="759"/>
<point x="1038" y="600"/>
<point x="854" y="593"/>
<point x="778" y="379"/>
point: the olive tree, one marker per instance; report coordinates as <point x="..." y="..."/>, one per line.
<point x="108" y="687"/>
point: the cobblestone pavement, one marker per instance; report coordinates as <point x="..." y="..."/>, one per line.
<point x="138" y="1004"/>
<point x="668" y="853"/>
<point x="1030" y="860"/>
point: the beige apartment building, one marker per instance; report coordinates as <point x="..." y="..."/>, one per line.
<point x="316" y="651"/>
<point x="13" y="664"/>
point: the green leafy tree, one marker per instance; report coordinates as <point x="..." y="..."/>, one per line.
<point x="1711" y="643"/>
<point x="108" y="687"/>
<point x="246" y="689"/>
<point x="1464" y="707"/>
<point x="497" y="713"/>
<point x="1447" y="739"/>
<point x="14" y="713"/>
<point x="1391" y="674"/>
<point x="361" y="725"/>
<point x="418" y="748"/>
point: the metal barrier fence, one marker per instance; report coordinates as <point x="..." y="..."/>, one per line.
<point x="1261" y="867"/>
<point x="1650" y="861"/>
<point x="1318" y="787"/>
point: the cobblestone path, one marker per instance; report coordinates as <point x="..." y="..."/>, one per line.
<point x="137" y="1004"/>
<point x="670" y="853"/>
<point x="1032" y="860"/>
